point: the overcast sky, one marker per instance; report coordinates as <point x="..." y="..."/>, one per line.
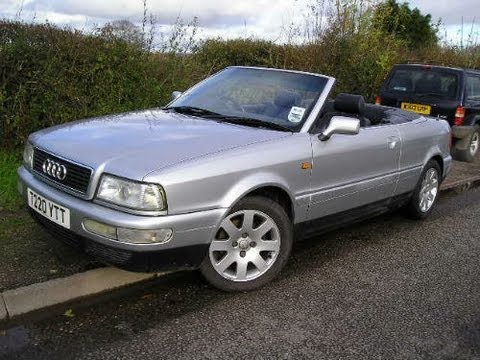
<point x="226" y="18"/>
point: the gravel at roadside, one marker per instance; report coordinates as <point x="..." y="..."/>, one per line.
<point x="28" y="255"/>
<point x="462" y="170"/>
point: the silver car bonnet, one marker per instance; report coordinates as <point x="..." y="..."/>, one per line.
<point x="133" y="144"/>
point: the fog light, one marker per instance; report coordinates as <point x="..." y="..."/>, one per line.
<point x="134" y="236"/>
<point x="101" y="229"/>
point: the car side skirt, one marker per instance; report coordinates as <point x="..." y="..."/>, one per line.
<point x="312" y="228"/>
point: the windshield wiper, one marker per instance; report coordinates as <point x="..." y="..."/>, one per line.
<point x="192" y="110"/>
<point x="196" y="111"/>
<point x="252" y="122"/>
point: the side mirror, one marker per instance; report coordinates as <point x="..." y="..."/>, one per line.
<point x="340" y="125"/>
<point x="176" y="95"/>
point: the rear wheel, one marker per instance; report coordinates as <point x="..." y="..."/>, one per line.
<point x="470" y="153"/>
<point x="251" y="246"/>
<point x="426" y="193"/>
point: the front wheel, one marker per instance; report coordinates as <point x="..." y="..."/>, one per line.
<point x="251" y="246"/>
<point x="426" y="193"/>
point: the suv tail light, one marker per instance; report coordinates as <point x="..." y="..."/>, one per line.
<point x="378" y="100"/>
<point x="459" y="115"/>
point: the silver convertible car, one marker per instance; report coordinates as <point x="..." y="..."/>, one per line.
<point x="229" y="173"/>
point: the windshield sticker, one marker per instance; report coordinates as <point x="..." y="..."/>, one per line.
<point x="296" y="114"/>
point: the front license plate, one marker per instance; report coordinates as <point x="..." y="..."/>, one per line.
<point x="418" y="108"/>
<point x="52" y="211"/>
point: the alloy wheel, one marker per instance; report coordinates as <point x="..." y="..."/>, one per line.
<point x="246" y="245"/>
<point x="429" y="190"/>
<point x="475" y="143"/>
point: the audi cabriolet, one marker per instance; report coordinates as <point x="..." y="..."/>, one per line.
<point x="226" y="176"/>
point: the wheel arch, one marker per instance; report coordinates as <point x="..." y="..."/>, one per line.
<point x="472" y="120"/>
<point x="277" y="194"/>
<point x="439" y="159"/>
<point x="262" y="185"/>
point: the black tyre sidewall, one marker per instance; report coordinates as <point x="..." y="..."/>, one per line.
<point x="279" y="216"/>
<point x="466" y="155"/>
<point x="475" y="131"/>
<point x="413" y="208"/>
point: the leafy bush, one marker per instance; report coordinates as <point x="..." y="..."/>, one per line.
<point x="50" y="76"/>
<point x="415" y="29"/>
<point x="216" y="54"/>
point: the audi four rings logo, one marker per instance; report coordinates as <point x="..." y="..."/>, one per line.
<point x="54" y="169"/>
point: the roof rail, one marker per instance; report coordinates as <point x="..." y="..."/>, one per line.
<point x="425" y="62"/>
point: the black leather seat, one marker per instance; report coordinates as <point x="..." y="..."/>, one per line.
<point x="346" y="105"/>
<point x="376" y="114"/>
<point x="282" y="105"/>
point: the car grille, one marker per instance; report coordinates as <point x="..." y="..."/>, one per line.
<point x="108" y="254"/>
<point x="78" y="176"/>
<point x="58" y="232"/>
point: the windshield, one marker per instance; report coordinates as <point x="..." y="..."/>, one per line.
<point x="424" y="81"/>
<point x="278" y="99"/>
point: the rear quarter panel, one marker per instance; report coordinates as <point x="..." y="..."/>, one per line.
<point x="422" y="139"/>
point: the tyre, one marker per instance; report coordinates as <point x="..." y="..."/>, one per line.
<point x="251" y="246"/>
<point x="426" y="192"/>
<point x="469" y="154"/>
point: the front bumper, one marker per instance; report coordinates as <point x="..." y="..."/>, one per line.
<point x="188" y="246"/>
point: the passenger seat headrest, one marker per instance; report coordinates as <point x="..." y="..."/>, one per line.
<point x="352" y="104"/>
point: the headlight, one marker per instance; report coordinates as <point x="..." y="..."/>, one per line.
<point x="131" y="194"/>
<point x="28" y="156"/>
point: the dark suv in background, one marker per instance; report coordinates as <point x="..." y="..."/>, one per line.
<point x="447" y="93"/>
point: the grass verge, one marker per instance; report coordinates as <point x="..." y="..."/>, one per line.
<point x="29" y="255"/>
<point x="9" y="162"/>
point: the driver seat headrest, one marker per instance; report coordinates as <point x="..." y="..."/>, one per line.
<point x="349" y="103"/>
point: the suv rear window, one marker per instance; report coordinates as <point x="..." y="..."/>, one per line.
<point x="420" y="81"/>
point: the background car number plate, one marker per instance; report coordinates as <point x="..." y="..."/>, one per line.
<point x="418" y="108"/>
<point x="52" y="211"/>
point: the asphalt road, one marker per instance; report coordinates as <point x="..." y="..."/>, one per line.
<point x="389" y="288"/>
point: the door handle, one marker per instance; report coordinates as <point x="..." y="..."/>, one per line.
<point x="393" y="142"/>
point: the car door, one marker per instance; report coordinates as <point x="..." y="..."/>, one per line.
<point x="349" y="171"/>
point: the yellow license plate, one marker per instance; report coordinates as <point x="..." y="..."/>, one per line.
<point x="418" y="108"/>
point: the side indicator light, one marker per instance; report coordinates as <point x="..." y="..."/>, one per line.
<point x="306" y="166"/>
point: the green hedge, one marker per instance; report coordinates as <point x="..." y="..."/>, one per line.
<point x="50" y="76"/>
